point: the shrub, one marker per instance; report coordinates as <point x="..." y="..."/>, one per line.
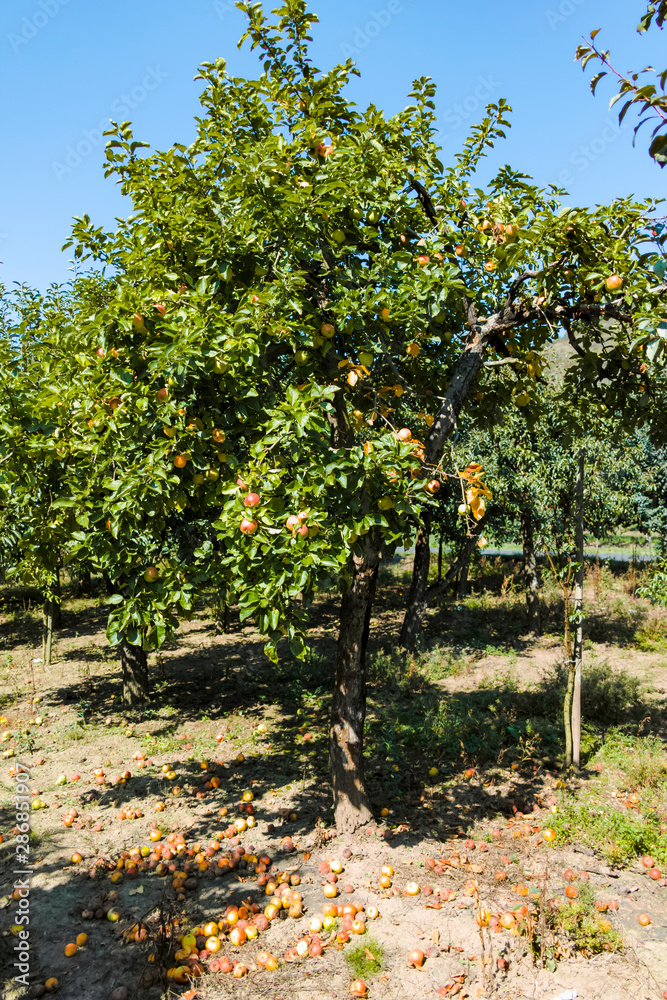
<point x="654" y="586"/>
<point x="608" y="696"/>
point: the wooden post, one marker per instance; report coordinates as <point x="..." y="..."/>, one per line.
<point x="47" y="639"/>
<point x="579" y="615"/>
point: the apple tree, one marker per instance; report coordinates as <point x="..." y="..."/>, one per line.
<point x="36" y="485"/>
<point x="289" y="290"/>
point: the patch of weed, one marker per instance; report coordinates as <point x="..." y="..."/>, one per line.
<point x="398" y="670"/>
<point x="651" y="636"/>
<point x="365" y="959"/>
<point x="589" y="930"/>
<point x="654" y="586"/>
<point x="618" y="836"/>
<point x="162" y="744"/>
<point x="642" y="759"/>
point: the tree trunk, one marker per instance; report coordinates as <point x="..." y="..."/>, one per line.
<point x="567" y="715"/>
<point x="348" y="711"/>
<point x="440" y="543"/>
<point x="462" y="382"/>
<point x="52" y="606"/>
<point x="351" y="805"/>
<point x="417" y="600"/>
<point x="56" y="613"/>
<point x="135" y="674"/>
<point x="532" y="574"/>
<point x="85" y="580"/>
<point x="462" y="583"/>
<point x="411" y="626"/>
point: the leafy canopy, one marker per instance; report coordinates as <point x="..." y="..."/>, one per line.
<point x="289" y="290"/>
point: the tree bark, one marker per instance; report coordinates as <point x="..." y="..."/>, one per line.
<point x="532" y="574"/>
<point x="440" y="544"/>
<point x="135" y="674"/>
<point x="464" y="570"/>
<point x="465" y="375"/>
<point x="348" y="712"/>
<point x="417" y="599"/>
<point x="416" y="608"/>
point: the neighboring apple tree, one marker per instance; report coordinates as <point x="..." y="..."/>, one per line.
<point x="649" y="497"/>
<point x="534" y="476"/>
<point x="585" y="273"/>
<point x="531" y="473"/>
<point x="36" y="486"/>
<point x="288" y="290"/>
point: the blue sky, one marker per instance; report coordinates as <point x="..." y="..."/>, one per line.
<point x="67" y="66"/>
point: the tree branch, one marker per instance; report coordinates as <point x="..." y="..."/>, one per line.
<point x="527" y="275"/>
<point x="503" y="361"/>
<point x="570" y="336"/>
<point x="424" y="198"/>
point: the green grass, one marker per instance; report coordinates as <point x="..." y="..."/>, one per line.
<point x="619" y="836"/>
<point x="359" y="963"/>
<point x="497" y="721"/>
<point x="643" y="760"/>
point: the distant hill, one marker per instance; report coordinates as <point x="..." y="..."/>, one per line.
<point x="559" y="354"/>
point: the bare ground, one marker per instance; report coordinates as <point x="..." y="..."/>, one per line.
<point x="210" y="685"/>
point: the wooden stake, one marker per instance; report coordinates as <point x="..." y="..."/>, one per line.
<point x="579" y="616"/>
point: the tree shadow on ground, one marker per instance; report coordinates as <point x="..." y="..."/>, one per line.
<point x="412" y="726"/>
